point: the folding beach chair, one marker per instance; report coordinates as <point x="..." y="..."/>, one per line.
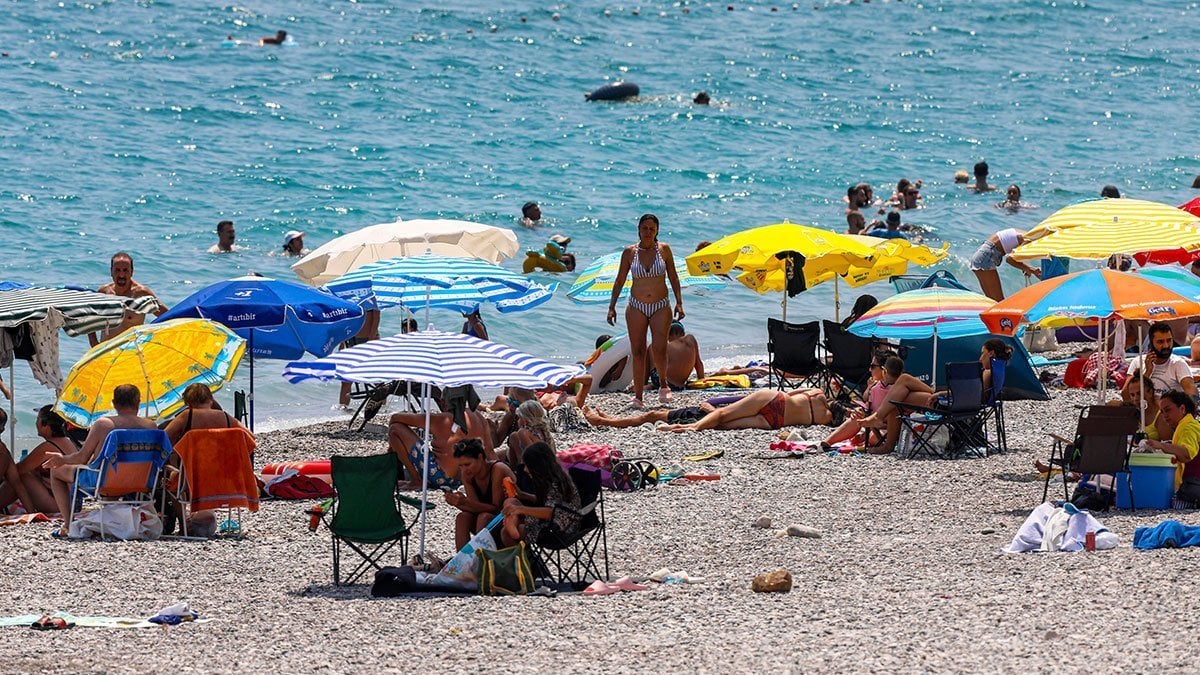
<point x="570" y="558"/>
<point x="993" y="406"/>
<point x="373" y="397"/>
<point x="215" y="472"/>
<point x="850" y="362"/>
<point x="964" y="415"/>
<point x="126" y="469"/>
<point x="366" y="515"/>
<point x="792" y="353"/>
<point x="1101" y="446"/>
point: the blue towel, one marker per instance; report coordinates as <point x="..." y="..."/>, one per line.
<point x="1167" y="534"/>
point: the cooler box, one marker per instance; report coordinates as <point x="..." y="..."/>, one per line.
<point x="1153" y="476"/>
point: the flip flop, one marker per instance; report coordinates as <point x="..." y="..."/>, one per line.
<point x="599" y="587"/>
<point x="627" y="584"/>
<point x="636" y="404"/>
<point x="715" y="454"/>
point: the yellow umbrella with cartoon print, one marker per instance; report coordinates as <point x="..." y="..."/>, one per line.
<point x="161" y="359"/>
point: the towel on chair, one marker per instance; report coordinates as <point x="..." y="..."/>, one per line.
<point x="216" y="463"/>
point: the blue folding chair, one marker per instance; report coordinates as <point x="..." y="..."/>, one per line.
<point x="128" y="465"/>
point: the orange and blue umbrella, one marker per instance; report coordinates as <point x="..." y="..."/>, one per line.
<point x="923" y="313"/>
<point x="1099" y="294"/>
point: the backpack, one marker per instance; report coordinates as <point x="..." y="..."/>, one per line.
<point x="505" y="572"/>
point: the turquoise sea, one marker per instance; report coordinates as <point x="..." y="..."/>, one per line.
<point x="136" y="126"/>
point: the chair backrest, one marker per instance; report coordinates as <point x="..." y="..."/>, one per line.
<point x="964" y="380"/>
<point x="998" y="367"/>
<point x="366" y="492"/>
<point x="1102" y="438"/>
<point x="587" y="481"/>
<point x="793" y="346"/>
<point x="130" y="461"/>
<point x="851" y="354"/>
<point x="216" y="462"/>
<point x="240" y="412"/>
<point x="939" y="278"/>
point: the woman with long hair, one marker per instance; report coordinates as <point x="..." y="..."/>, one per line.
<point x="32" y="479"/>
<point x="532" y="427"/>
<point x="527" y="515"/>
<point x="651" y="265"/>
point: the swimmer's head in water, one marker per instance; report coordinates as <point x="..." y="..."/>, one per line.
<point x="960" y="176"/>
<point x="1196" y="183"/>
<point x="293" y="241"/>
<point x="1013" y="193"/>
<point x="703" y="244"/>
<point x="893" y="220"/>
<point x="1110" y="191"/>
<point x="981" y="169"/>
<point x="531" y="211"/>
<point x="601" y="340"/>
<point x="701" y="98"/>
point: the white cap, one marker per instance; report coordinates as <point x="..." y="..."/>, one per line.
<point x="292" y="234"/>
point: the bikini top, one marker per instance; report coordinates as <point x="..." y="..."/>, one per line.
<point x="657" y="269"/>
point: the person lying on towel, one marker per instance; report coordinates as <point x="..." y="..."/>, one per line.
<point x="769" y="409"/>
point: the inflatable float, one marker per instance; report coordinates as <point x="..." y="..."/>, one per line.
<point x="605" y="358"/>
<point x="317" y="468"/>
<point x="617" y="91"/>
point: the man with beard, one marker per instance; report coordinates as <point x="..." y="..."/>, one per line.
<point x="121" y="269"/>
<point x="1168" y="371"/>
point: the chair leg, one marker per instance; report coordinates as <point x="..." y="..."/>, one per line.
<point x="1129" y="484"/>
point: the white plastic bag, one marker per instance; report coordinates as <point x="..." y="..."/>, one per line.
<point x="119" y="521"/>
<point x="1040" y="340"/>
<point x="463" y="568"/>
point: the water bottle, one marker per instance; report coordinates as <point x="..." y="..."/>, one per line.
<point x="314" y="517"/>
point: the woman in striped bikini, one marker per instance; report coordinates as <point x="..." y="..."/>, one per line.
<point x="650" y="264"/>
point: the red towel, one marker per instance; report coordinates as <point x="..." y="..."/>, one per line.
<point x="216" y="463"/>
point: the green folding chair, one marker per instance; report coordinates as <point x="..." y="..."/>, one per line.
<point x="366" y="515"/>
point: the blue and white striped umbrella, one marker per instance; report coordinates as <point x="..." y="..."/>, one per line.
<point x="437" y="358"/>
<point x="452" y="283"/>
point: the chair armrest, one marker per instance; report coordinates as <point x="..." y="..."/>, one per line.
<point x="415" y="502"/>
<point x="910" y="408"/>
<point x="1060" y="439"/>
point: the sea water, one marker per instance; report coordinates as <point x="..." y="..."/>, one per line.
<point x="136" y="126"/>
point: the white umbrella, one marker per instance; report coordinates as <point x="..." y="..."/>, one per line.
<point x="405" y="238"/>
<point x="433" y="358"/>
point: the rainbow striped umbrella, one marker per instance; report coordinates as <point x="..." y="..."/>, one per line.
<point x="595" y="284"/>
<point x="926" y="312"/>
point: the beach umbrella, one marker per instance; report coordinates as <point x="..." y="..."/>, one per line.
<point x="1118" y="211"/>
<point x="595" y="283"/>
<point x="405" y="238"/>
<point x="893" y="259"/>
<point x="433" y="358"/>
<point x="763" y="254"/>
<point x="926" y="312"/>
<point x="78" y="311"/>
<point x="1100" y="240"/>
<point x="1100" y="295"/>
<point x="457" y="283"/>
<point x="1192" y="206"/>
<point x="161" y="359"/>
<point x="279" y="319"/>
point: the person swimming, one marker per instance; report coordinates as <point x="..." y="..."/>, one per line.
<point x="280" y="38"/>
<point x="1012" y="200"/>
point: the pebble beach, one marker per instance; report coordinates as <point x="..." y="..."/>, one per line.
<point x="907" y="576"/>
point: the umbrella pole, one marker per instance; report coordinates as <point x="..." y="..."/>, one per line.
<point x="424" y="464"/>
<point x="251" y="397"/>
<point x="837" y="301"/>
<point x="1141" y="390"/>
<point x="1103" y="361"/>
<point x="933" y="371"/>
<point x="428" y="294"/>
<point x="12" y="409"/>
<point x="785" y="305"/>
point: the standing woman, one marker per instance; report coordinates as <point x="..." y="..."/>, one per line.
<point x="994" y="251"/>
<point x="650" y="264"/>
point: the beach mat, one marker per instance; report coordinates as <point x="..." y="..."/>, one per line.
<point x="24" y="621"/>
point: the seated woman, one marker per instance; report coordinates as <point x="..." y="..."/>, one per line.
<point x="531" y="428"/>
<point x="31" y="483"/>
<point x="885" y="370"/>
<point x="910" y="390"/>
<point x="527" y="515"/>
<point x="1141" y="390"/>
<point x="199" y="414"/>
<point x="1180" y="411"/>
<point x="769" y="409"/>
<point x="483" y="489"/>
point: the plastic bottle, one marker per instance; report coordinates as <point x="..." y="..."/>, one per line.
<point x="314" y="517"/>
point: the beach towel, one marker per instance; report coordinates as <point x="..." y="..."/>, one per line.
<point x="592" y="454"/>
<point x="24" y="621"/>
<point x="293" y="485"/>
<point x="723" y="381"/>
<point x="24" y="519"/>
<point x="1050" y="528"/>
<point x="1167" y="534"/>
<point x="217" y="465"/>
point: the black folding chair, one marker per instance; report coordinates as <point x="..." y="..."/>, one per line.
<point x="1101" y="446"/>
<point x="993" y="405"/>
<point x="373" y="397"/>
<point x="792" y="353"/>
<point x="964" y="415"/>
<point x="570" y="557"/>
<point x="850" y="362"/>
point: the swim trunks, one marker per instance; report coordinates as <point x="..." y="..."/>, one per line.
<point x="773" y="411"/>
<point x="437" y="477"/>
<point x="686" y="415"/>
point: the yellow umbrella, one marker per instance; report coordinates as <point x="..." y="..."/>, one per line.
<point x="1100" y="240"/>
<point x="1112" y="211"/>
<point x="162" y="359"/>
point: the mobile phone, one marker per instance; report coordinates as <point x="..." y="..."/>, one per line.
<point x="446" y="489"/>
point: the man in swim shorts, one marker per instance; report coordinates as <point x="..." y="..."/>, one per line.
<point x="121" y="269"/>
<point x="406" y="429"/>
<point x="683" y="356"/>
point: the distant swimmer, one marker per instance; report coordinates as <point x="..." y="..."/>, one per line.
<point x="293" y="244"/>
<point x="1111" y="192"/>
<point x="701" y="98"/>
<point x="991" y="253"/>
<point x="279" y="39"/>
<point x="531" y="215"/>
<point x="1195" y="183"/>
<point x="1012" y="200"/>
<point x="855" y="222"/>
<point x="889" y="231"/>
<point x="981" y="176"/>
<point x="121" y="269"/>
<point x="225" y="238"/>
<point x="907" y="194"/>
<point x="961" y="178"/>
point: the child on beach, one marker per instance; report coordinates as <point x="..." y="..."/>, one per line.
<point x="886" y="368"/>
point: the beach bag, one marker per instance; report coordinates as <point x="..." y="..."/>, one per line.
<point x="1040" y="340"/>
<point x="124" y="521"/>
<point x="394" y="581"/>
<point x="592" y="454"/>
<point x="505" y="572"/>
<point x="462" y="570"/>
